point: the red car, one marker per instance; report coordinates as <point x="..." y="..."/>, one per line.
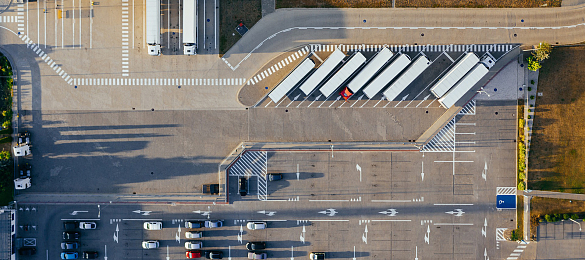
<point x="193" y="254"/>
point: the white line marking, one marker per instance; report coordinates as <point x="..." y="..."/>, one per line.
<point x="326" y="220"/>
<point x="453" y="224"/>
<point x="391" y="201"/>
<point x="391" y="220"/>
<point x="452" y="204"/>
<point x="142" y="219"/>
<point x="329" y="200"/>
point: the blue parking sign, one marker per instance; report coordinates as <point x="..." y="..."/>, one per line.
<point x="506" y="201"/>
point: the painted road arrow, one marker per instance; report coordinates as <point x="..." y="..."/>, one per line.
<point x="143" y="212"/>
<point x="389" y="212"/>
<point x="329" y="212"/>
<point x="457" y="212"/>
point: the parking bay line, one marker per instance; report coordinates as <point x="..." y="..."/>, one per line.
<point x="453" y="224"/>
<point x="142" y="219"/>
<point x="329" y="220"/>
<point x="72" y="219"/>
<point x="331" y="200"/>
<point x="452" y="204"/>
<point x="391" y="220"/>
<point x="391" y="200"/>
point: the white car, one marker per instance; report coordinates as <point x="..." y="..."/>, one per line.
<point x="190" y="234"/>
<point x="256" y="225"/>
<point x="193" y="245"/>
<point x="213" y="223"/>
<point x="87" y="225"/>
<point x="153" y="225"/>
<point x="149" y="244"/>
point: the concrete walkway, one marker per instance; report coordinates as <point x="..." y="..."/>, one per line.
<point x="555" y="195"/>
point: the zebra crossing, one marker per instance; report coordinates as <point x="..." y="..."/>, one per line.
<point x="46" y="58"/>
<point x="20" y="18"/>
<point x="125" y="40"/>
<point x="468" y="109"/>
<point x="8" y="18"/>
<point x="253" y="164"/>
<point x="250" y="163"/>
<point x="262" y="187"/>
<point x="444" y="141"/>
<point x="158" y="82"/>
<point x="517" y="252"/>
<point x="281" y="64"/>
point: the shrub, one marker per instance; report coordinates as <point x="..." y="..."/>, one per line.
<point x="529" y="117"/>
<point x="521" y="175"/>
<point x="521" y="185"/>
<point x="533" y="64"/>
<point x="531" y="82"/>
<point x="529" y="88"/>
<point x="520" y="123"/>
<point x="548" y="218"/>
<point x="574" y="216"/>
<point x="515" y="236"/>
<point x="565" y="216"/>
<point x="4" y="155"/>
<point x="532" y="97"/>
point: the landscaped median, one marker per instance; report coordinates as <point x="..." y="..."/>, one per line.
<point x="6" y="164"/>
<point x="553" y="210"/>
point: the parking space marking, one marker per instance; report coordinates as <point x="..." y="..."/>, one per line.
<point x="157" y="81"/>
<point x="391" y="201"/>
<point x="453" y="224"/>
<point x="453" y="204"/>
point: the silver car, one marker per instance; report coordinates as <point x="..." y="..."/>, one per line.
<point x="150" y="244"/>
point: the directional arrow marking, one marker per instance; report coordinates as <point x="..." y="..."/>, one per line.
<point x="143" y="212"/>
<point x="329" y="212"/>
<point x="422" y="171"/>
<point x="484" y="229"/>
<point x="168" y="253"/>
<point x="365" y="235"/>
<point x="457" y="212"/>
<point x="428" y="234"/>
<point x="359" y="169"/>
<point x="267" y="213"/>
<point x="389" y="212"/>
<point x="105" y="252"/>
<point x="116" y="233"/>
<point x="303" y="235"/>
<point x="74" y="213"/>
<point x="484" y="173"/>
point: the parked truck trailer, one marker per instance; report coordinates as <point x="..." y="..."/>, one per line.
<point x="153" y="27"/>
<point x="189" y="27"/>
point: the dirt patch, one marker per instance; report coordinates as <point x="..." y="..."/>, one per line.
<point x="232" y="13"/>
<point x="558" y="146"/>
<point x="415" y="3"/>
<point x="540" y="207"/>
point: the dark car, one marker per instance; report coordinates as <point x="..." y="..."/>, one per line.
<point x="243" y="187"/>
<point x="25" y="170"/>
<point x="317" y="255"/>
<point x="70" y="225"/>
<point x="90" y="255"/>
<point x="69" y="245"/>
<point x="255" y="245"/>
<point x="27" y="251"/>
<point x="194" y="224"/>
<point x="70" y="235"/>
<point x="213" y="255"/>
<point x="274" y="176"/>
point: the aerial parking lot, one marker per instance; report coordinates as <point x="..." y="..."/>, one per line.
<point x="322" y="133"/>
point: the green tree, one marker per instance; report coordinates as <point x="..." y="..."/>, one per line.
<point x="574" y="216"/>
<point x="565" y="216"/>
<point x="521" y="185"/>
<point x="548" y="218"/>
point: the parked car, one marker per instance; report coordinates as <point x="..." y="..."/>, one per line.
<point x="70" y="225"/>
<point x="87" y="225"/>
<point x="25" y="170"/>
<point x="213" y="223"/>
<point x="193" y="245"/>
<point x="90" y="255"/>
<point x="317" y="255"/>
<point x="274" y="176"/>
<point x="68" y="235"/>
<point x="213" y="255"/>
<point x="27" y="251"/>
<point x="194" y="224"/>
<point x="255" y="245"/>
<point x="69" y="245"/>
<point x="193" y="254"/>
<point x="69" y="255"/>
<point x="153" y="225"/>
<point x="150" y="244"/>
<point x="256" y="255"/>
<point x="190" y="234"/>
<point x="243" y="187"/>
<point x="256" y="225"/>
<point x="24" y="138"/>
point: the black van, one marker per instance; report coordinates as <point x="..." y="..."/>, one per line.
<point x="243" y="186"/>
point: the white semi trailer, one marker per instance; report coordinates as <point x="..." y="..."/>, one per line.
<point x="189" y="27"/>
<point x="153" y="27"/>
